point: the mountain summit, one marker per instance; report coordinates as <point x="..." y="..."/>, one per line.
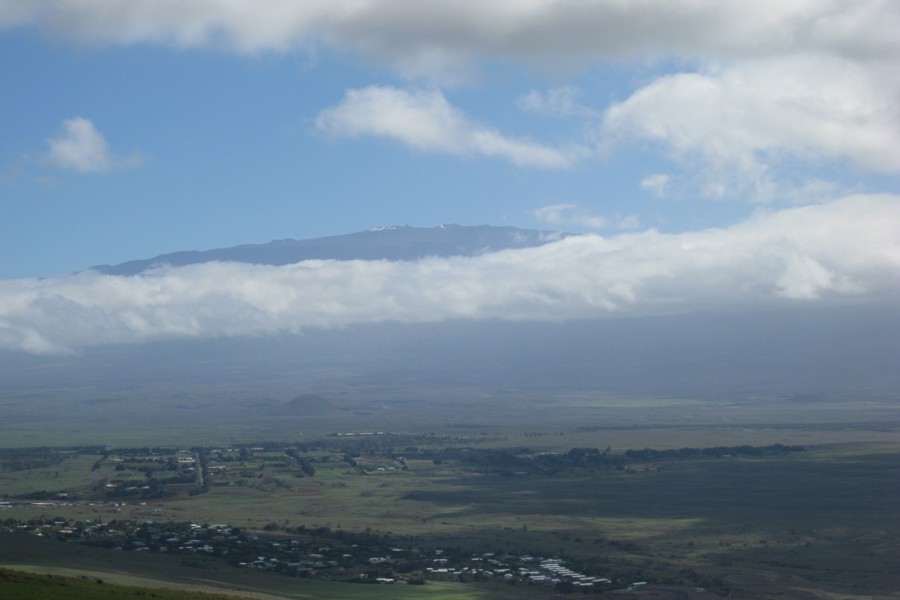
<point x="394" y="242"/>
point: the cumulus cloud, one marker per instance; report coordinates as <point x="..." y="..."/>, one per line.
<point x="424" y="120"/>
<point x="807" y="80"/>
<point x="740" y="121"/>
<point x="846" y="250"/>
<point x="81" y="147"/>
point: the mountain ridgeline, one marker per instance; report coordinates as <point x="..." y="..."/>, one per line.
<point x="382" y="243"/>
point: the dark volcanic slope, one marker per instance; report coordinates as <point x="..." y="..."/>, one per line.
<point x="389" y="243"/>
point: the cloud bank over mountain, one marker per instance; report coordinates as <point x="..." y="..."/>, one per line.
<point x="846" y="251"/>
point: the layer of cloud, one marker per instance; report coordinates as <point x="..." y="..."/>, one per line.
<point x="81" y="147"/>
<point x="431" y="37"/>
<point x="843" y="251"/>
<point x="424" y="120"/>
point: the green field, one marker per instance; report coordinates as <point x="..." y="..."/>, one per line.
<point x="818" y="523"/>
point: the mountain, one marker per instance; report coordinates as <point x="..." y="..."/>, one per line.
<point x="305" y="405"/>
<point x="801" y="362"/>
<point x="383" y="243"/>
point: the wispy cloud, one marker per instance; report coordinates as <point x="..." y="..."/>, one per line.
<point x="558" y="102"/>
<point x="424" y="120"/>
<point x="656" y="184"/>
<point x="567" y="214"/>
<point x="81" y="147"/>
<point x="847" y="250"/>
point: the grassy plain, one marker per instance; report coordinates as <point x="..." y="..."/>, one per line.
<point x="210" y="414"/>
<point x="822" y="523"/>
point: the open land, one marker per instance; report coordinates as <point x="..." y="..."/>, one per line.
<point x="573" y="495"/>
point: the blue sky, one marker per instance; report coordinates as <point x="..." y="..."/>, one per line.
<point x="135" y="128"/>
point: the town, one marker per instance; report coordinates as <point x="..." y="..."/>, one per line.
<point x="316" y="552"/>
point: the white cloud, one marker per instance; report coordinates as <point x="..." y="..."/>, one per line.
<point x="806" y="80"/>
<point x="656" y="184"/>
<point x="424" y="120"/>
<point x="81" y="147"/>
<point x="739" y="122"/>
<point x="844" y="251"/>
<point x="433" y="37"/>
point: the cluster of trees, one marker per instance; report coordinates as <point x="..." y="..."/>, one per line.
<point x="305" y="463"/>
<point x="520" y="461"/>
<point x="651" y="454"/>
<point x="22" y="459"/>
<point x="590" y="458"/>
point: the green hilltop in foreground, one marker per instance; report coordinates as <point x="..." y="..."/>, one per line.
<point x="20" y="585"/>
<point x="38" y="585"/>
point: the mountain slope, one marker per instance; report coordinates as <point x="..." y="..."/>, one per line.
<point x="387" y="243"/>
